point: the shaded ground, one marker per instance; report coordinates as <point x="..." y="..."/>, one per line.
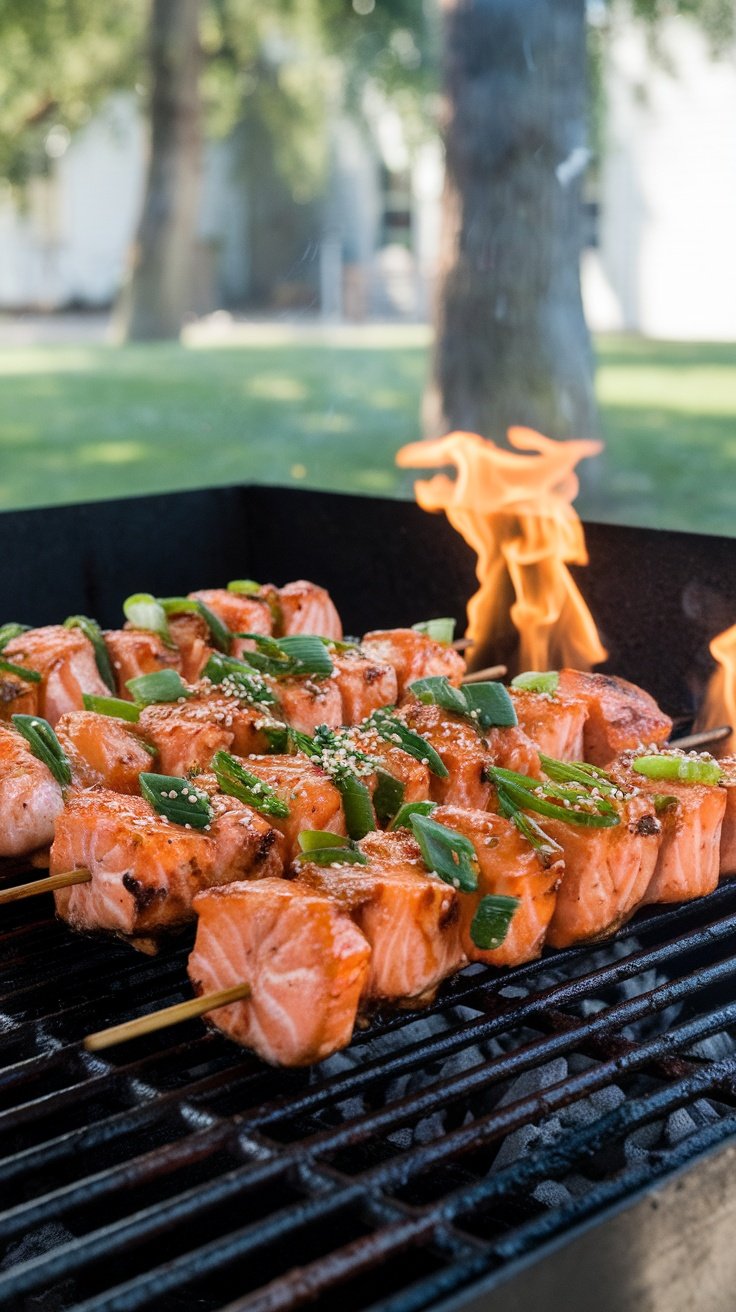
<point x="329" y="408"/>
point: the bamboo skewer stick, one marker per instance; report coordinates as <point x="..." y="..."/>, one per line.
<point x="63" y="880"/>
<point x="490" y="672"/>
<point x="702" y="739"/>
<point x="159" y="1020"/>
<point x="462" y="644"/>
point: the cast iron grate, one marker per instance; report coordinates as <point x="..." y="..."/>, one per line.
<point x="180" y="1173"/>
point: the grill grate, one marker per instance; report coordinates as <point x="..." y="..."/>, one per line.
<point x="178" y="1172"/>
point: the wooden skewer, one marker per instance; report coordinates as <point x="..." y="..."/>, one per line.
<point x="463" y="644"/>
<point x="159" y="1020"/>
<point x="704" y="738"/>
<point x="490" y="672"/>
<point x="62" y="880"/>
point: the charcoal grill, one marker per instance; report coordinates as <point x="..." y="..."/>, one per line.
<point x="562" y="1131"/>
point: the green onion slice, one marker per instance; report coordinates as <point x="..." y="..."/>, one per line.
<point x="356" y="803"/>
<point x="241" y="679"/>
<point x="235" y="780"/>
<point x="402" y="818"/>
<point x="442" y="630"/>
<point x="664" y="802"/>
<point x="10" y="631"/>
<point x="297" y="654"/>
<point x="143" y="611"/>
<point x="326" y="849"/>
<point x="45" y="746"/>
<point x="338" y="756"/>
<point x="393" y="730"/>
<point x="221" y="636"/>
<point x="492" y="919"/>
<point x="177" y="800"/>
<point x="20" y="671"/>
<point x="446" y="853"/>
<point x="578" y="772"/>
<point x="93" y="633"/>
<point x="278" y="737"/>
<point x="161" y="686"/>
<point x="545" y="847"/>
<point x="686" y="769"/>
<point x="114" y="706"/>
<point x="245" y="587"/>
<point x="388" y="796"/>
<point x="486" y="704"/>
<point x="537" y="681"/>
<point x="527" y="794"/>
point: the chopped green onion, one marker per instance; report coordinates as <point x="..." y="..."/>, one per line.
<point x="356" y="804"/>
<point x="492" y="919"/>
<point x="295" y="655"/>
<point x="590" y="776"/>
<point x="341" y="644"/>
<point x="388" y="797"/>
<point x="313" y="840"/>
<point x="177" y="800"/>
<point x="246" y="587"/>
<point x="20" y="671"/>
<point x="114" y="706"/>
<point x="325" y="849"/>
<point x="664" y="802"/>
<point x="545" y="847"/>
<point x="402" y="817"/>
<point x="10" y="631"/>
<point x="393" y="730"/>
<point x="527" y="794"/>
<point x="338" y="756"/>
<point x="446" y="853"/>
<point x="161" y="686"/>
<point x="278" y="737"/>
<point x="93" y="633"/>
<point x="442" y="630"/>
<point x="537" y="681"/>
<point x="486" y="704"/>
<point x="233" y="779"/>
<point x="244" y="682"/>
<point x="143" y="611"/>
<point x="221" y="636"/>
<point x="686" y="769"/>
<point x="45" y="746"/>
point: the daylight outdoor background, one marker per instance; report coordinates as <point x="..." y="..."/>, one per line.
<point x="294" y="341"/>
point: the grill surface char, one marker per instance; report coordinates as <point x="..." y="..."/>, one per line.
<point x="179" y="1172"/>
<point x="439" y="1158"/>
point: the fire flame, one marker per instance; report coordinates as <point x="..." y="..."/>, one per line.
<point x="516" y="512"/>
<point x="720" y="698"/>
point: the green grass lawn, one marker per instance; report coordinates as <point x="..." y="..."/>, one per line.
<point x="79" y="422"/>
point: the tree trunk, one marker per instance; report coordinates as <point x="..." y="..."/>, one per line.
<point x="160" y="289"/>
<point x="512" y="346"/>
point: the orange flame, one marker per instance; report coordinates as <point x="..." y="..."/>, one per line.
<point x="516" y="512"/>
<point x="720" y="698"/>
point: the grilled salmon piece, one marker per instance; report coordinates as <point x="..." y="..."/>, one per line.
<point x="409" y="918"/>
<point x="728" y="831"/>
<point x="65" y="659"/>
<point x="30" y="797"/>
<point x="307" y="702"/>
<point x="466" y="752"/>
<point x="412" y="775"/>
<point x="192" y="637"/>
<point x="313" y="800"/>
<point x="239" y="614"/>
<point x="134" y="652"/>
<point x="607" y="872"/>
<point x="507" y="866"/>
<point x="103" y="751"/>
<point x="187" y="733"/>
<point x="303" y="607"/>
<point x="413" y="656"/>
<point x="145" y="870"/>
<point x="555" y="727"/>
<point x="307" y="961"/>
<point x="365" y="684"/>
<point x="621" y="716"/>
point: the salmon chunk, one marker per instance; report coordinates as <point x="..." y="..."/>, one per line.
<point x="145" y="870"/>
<point x="187" y="733"/>
<point x="191" y="635"/>
<point x="103" y="751"/>
<point x="413" y="656"/>
<point x="313" y="800"/>
<point x="621" y="717"/>
<point x="412" y="775"/>
<point x="134" y="652"/>
<point x="239" y="613"/>
<point x="607" y="872"/>
<point x="307" y="702"/>
<point x="365" y="684"/>
<point x="304" y="607"/>
<point x="728" y="831"/>
<point x="466" y="753"/>
<point x="507" y="866"/>
<point x="410" y="918"/>
<point x="65" y="659"/>
<point x="555" y="727"/>
<point x="307" y="960"/>
<point x="30" y="797"/>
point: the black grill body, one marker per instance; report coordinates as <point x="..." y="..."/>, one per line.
<point x="562" y="1134"/>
